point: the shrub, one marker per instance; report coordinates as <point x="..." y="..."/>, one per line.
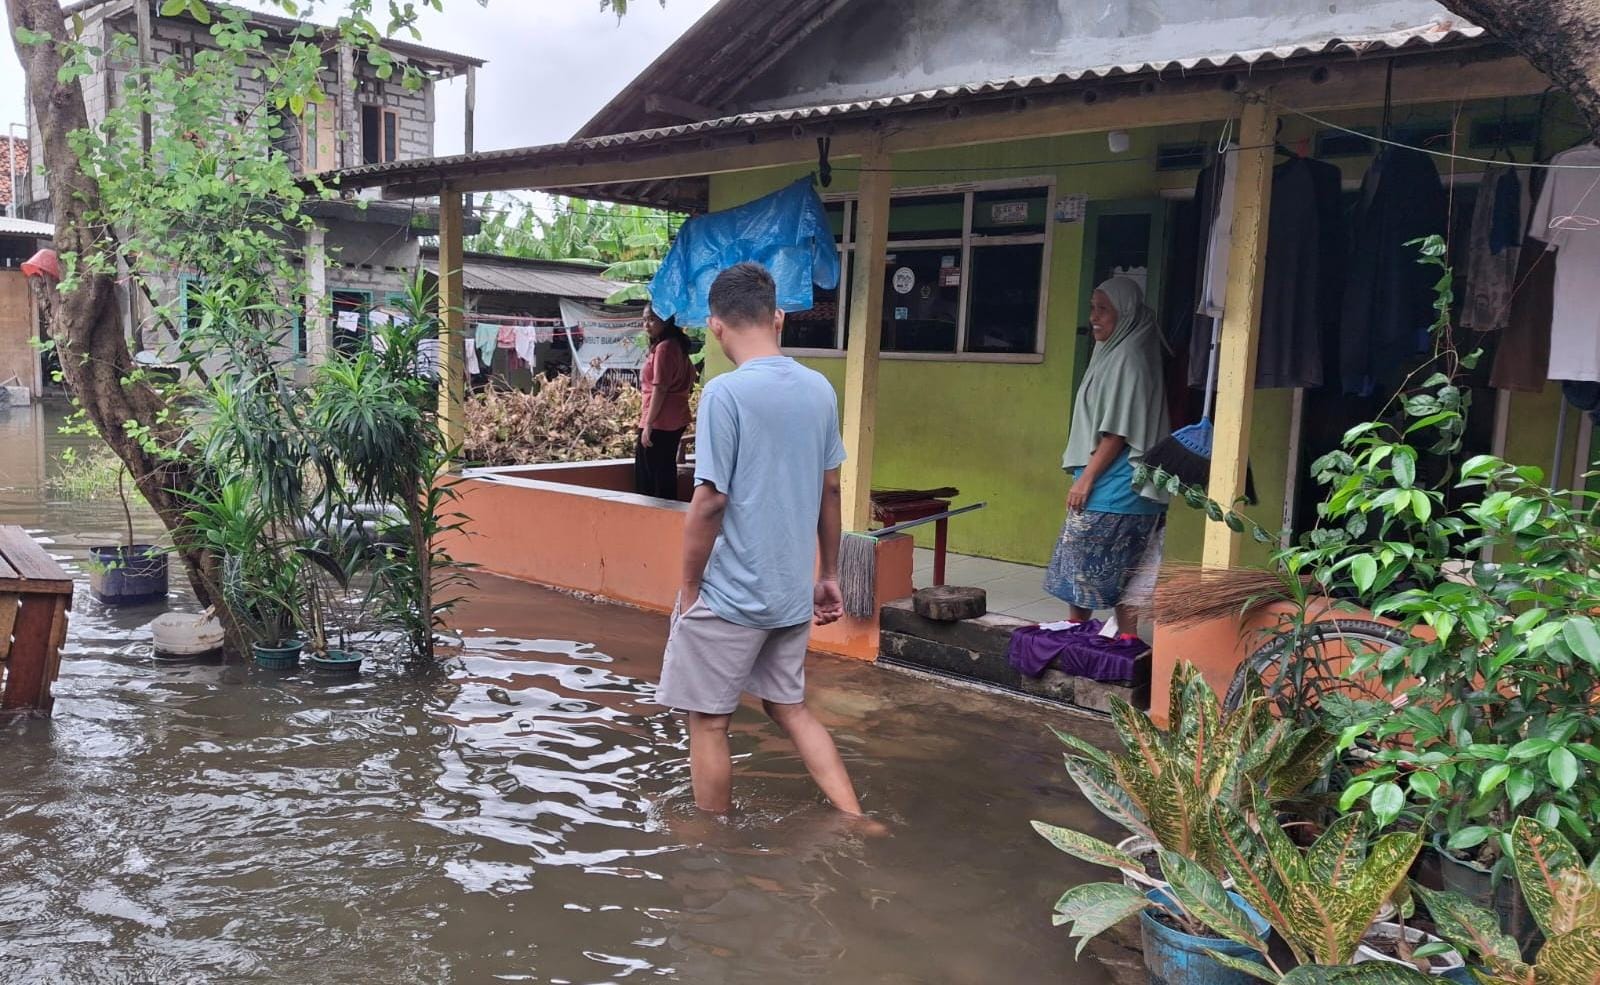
<point x="562" y="420"/>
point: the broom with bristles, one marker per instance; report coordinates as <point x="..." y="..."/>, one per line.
<point x="858" y="561"/>
<point x="1187" y="594"/>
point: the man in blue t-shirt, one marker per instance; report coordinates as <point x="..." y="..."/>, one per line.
<point x="767" y="457"/>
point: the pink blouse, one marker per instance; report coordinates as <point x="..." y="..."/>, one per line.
<point x="667" y="368"/>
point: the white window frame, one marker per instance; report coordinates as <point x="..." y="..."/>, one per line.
<point x="970" y="189"/>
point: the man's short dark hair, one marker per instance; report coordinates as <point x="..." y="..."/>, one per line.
<point x="744" y="294"/>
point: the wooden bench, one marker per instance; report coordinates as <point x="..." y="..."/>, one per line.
<point x="35" y="595"/>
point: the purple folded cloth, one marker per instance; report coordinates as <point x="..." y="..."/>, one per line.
<point x="1078" y="652"/>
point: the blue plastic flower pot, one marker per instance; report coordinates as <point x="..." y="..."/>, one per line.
<point x="336" y="662"/>
<point x="128" y="575"/>
<point x="1175" y="958"/>
<point x="278" y="655"/>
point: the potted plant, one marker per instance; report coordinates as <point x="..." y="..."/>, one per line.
<point x="320" y="653"/>
<point x="1163" y="788"/>
<point x="1194" y="930"/>
<point x="128" y="573"/>
<point x="1563" y="895"/>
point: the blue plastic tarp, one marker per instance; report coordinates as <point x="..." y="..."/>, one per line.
<point x="787" y="232"/>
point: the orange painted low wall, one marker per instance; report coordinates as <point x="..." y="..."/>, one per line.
<point x="574" y="527"/>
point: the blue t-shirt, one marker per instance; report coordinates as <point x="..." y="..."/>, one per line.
<point x="1114" y="492"/>
<point x="765" y="435"/>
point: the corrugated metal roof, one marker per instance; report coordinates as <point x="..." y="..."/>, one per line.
<point x="1431" y="36"/>
<point x="289" y="23"/>
<point x="25" y="227"/>
<point x="506" y="275"/>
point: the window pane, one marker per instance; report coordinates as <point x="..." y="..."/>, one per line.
<point x="1003" y="313"/>
<point x="927" y="217"/>
<point x="391" y="136"/>
<point x="371" y="135"/>
<point x="835" y="212"/>
<point x="1010" y="212"/>
<point x="816" y="328"/>
<point x="921" y="300"/>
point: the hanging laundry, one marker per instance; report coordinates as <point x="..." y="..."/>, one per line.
<point x="1388" y="300"/>
<point x="505" y="337"/>
<point x="487" y="335"/>
<point x="787" y="232"/>
<point x="473" y="368"/>
<point x="1492" y="253"/>
<point x="1302" y="280"/>
<point x="1565" y="220"/>
<point x="1522" y="351"/>
<point x="527" y="343"/>
<point x="1215" y="192"/>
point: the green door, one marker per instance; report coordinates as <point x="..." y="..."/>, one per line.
<point x="1128" y="237"/>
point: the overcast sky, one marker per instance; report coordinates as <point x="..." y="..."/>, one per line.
<point x="551" y="64"/>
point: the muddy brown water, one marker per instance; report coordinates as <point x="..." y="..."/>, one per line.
<point x="521" y="816"/>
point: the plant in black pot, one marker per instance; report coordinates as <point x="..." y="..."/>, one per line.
<point x="129" y="573"/>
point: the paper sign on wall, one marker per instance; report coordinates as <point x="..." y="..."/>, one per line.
<point x="950" y="277"/>
<point x="1072" y="208"/>
<point x="1008" y="213"/>
<point x="904" y="280"/>
<point x="902" y="314"/>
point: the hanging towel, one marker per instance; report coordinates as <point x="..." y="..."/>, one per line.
<point x="472" y="357"/>
<point x="1491" y="271"/>
<point x="787" y="232"/>
<point x="486" y="335"/>
<point x="526" y="343"/>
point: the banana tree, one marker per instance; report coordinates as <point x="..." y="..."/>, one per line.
<point x="1563" y="894"/>
<point x="1163" y="787"/>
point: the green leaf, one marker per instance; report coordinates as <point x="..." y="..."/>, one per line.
<point x="1388" y="800"/>
<point x="1091" y="850"/>
<point x="1493" y="777"/>
<point x="172" y="8"/>
<point x="1545" y="863"/>
<point x="1255" y="969"/>
<point x="1523" y="514"/>
<point x="1370" y="973"/>
<point x="1364" y="571"/>
<point x="1531" y="748"/>
<point x="1563" y="768"/>
<point x="1405" y="467"/>
<point x="1468" y="837"/>
<point x="1583" y="639"/>
<point x="1520" y="785"/>
<point x="1354" y="792"/>
<point x="1109" y="797"/>
<point x="1421" y="505"/>
<point x="1571" y="959"/>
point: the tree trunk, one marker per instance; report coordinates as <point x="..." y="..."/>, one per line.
<point x="1561" y="38"/>
<point x="86" y="322"/>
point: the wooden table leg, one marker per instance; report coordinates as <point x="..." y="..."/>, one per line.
<point x="941" y="534"/>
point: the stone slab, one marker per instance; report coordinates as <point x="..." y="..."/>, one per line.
<point x="989" y="634"/>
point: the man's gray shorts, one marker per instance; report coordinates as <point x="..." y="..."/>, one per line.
<point x="711" y="661"/>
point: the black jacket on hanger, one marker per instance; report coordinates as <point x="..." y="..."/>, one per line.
<point x="1388" y="299"/>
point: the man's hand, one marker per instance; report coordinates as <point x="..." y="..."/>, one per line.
<point x="688" y="595"/>
<point x="644" y="437"/>
<point x="827" y="602"/>
<point x="1078" y="495"/>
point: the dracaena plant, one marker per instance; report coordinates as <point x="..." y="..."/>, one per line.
<point x="1563" y="894"/>
<point x="1320" y="900"/>
<point x="1163" y="787"/>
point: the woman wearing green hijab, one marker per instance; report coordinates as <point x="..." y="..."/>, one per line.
<point x="1121" y="411"/>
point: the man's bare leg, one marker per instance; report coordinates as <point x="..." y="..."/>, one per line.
<point x="710" y="763"/>
<point x="818" y="752"/>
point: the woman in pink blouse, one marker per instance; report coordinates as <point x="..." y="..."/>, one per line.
<point x="667" y="380"/>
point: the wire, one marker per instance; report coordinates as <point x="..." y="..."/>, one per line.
<point x="1437" y="153"/>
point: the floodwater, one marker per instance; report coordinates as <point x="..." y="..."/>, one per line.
<point x="523" y="817"/>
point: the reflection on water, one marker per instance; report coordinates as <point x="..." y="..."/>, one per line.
<point x="522" y="817"/>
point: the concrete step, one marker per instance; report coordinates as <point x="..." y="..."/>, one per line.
<point x="976" y="649"/>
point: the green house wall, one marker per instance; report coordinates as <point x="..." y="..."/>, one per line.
<point x="996" y="430"/>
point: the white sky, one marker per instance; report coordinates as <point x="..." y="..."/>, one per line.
<point x="551" y="64"/>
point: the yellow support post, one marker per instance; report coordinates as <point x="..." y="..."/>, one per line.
<point x="1241" y="325"/>
<point x="866" y="327"/>
<point x="452" y="329"/>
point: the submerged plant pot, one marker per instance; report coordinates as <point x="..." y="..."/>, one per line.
<point x="1177" y="958"/>
<point x="185" y="636"/>
<point x="346" y="663"/>
<point x="134" y="575"/>
<point x="1445" y="966"/>
<point x="278" y="654"/>
<point x="1501" y="896"/>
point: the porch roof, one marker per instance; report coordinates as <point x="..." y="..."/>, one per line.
<point x="667" y="167"/>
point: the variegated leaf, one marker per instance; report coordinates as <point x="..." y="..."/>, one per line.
<point x="1371" y="973"/>
<point x="1570" y="959"/>
<point x="1303" y="765"/>
<point x="1202" y="897"/>
<point x="1473" y="930"/>
<point x="1091" y="850"/>
<point x="1093" y="907"/>
<point x="1139" y="735"/>
<point x="1255" y="877"/>
<point x="1338" y="853"/>
<point x="1092" y="752"/>
<point x="1375" y="881"/>
<point x="1545" y="863"/>
<point x="1109" y="797"/>
<point x="1255" y="969"/>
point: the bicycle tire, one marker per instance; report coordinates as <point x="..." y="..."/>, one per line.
<point x="1269" y="654"/>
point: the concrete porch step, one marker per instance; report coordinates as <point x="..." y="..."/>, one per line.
<point x="976" y="650"/>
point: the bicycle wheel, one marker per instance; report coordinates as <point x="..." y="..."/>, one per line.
<point x="1302" y="667"/>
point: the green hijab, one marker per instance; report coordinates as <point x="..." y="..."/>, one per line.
<point x="1123" y="391"/>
